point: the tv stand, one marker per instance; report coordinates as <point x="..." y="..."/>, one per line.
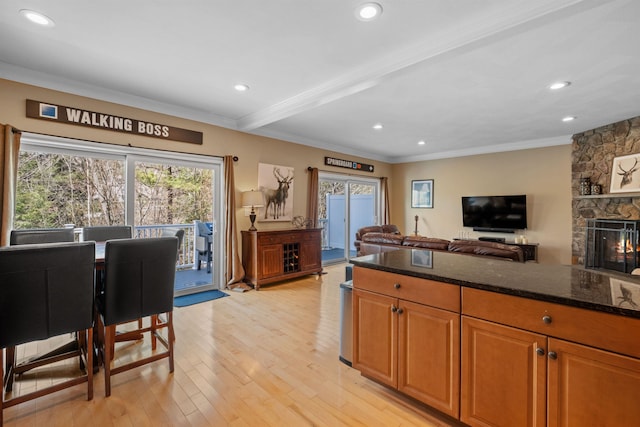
<point x="492" y="239"/>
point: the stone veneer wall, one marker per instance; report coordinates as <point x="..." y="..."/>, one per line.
<point x="592" y="157"/>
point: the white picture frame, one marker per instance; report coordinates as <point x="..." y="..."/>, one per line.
<point x="422" y="193"/>
<point x="625" y="174"/>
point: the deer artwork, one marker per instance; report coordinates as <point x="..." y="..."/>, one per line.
<point x="627" y="175"/>
<point x="276" y="198"/>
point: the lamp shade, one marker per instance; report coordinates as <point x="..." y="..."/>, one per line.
<point x="251" y="199"/>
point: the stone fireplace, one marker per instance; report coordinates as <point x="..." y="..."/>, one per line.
<point x="592" y="157"/>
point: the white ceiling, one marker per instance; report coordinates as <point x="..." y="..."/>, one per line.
<point x="466" y="76"/>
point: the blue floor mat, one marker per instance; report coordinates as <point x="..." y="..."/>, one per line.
<point x="199" y="297"/>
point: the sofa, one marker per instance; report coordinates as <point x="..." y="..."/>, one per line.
<point x="371" y="240"/>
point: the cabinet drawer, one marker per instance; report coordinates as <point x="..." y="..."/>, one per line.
<point x="277" y="238"/>
<point x="310" y="236"/>
<point x="594" y="328"/>
<point x="423" y="291"/>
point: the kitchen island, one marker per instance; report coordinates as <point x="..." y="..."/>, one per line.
<point x="498" y="343"/>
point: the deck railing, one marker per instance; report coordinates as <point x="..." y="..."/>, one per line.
<point x="186" y="251"/>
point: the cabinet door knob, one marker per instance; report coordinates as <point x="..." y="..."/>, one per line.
<point x="400" y="311"/>
<point x="546" y="319"/>
<point x="553" y="355"/>
<point x="394" y="308"/>
<point x="396" y="285"/>
<point x="540" y="351"/>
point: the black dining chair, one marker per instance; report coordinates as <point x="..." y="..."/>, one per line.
<point x="177" y="232"/>
<point x="41" y="235"/>
<point x="26" y="237"/>
<point x="46" y="290"/>
<point x="138" y="282"/>
<point x="107" y="232"/>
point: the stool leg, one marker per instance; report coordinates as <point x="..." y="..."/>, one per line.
<point x="10" y="362"/>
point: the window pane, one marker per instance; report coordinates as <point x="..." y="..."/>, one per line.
<point x="169" y="194"/>
<point x="58" y="189"/>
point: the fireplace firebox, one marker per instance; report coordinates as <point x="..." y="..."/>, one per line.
<point x="612" y="244"/>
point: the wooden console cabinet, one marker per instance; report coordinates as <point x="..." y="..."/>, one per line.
<point x="270" y="256"/>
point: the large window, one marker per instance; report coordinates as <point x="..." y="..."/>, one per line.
<point x="64" y="183"/>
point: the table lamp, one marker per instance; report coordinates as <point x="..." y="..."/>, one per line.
<point x="252" y="199"/>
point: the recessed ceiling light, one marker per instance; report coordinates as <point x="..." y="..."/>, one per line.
<point x="568" y="118"/>
<point x="368" y="11"/>
<point x="378" y="126"/>
<point x="241" y="87"/>
<point x="37" y="18"/>
<point x="421" y="142"/>
<point x="559" y="85"/>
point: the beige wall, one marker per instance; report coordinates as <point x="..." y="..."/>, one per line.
<point x="218" y="141"/>
<point x="543" y="174"/>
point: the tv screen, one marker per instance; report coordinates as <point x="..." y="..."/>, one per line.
<point x="495" y="213"/>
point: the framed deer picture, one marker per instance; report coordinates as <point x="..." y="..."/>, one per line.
<point x="276" y="185"/>
<point x="625" y="174"/>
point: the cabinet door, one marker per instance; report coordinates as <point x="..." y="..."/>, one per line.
<point x="589" y="387"/>
<point x="503" y="376"/>
<point x="311" y="254"/>
<point x="429" y="356"/>
<point x="270" y="261"/>
<point x="375" y="332"/>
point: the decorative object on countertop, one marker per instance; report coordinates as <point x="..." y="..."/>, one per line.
<point x="596" y="189"/>
<point x="416" y="230"/>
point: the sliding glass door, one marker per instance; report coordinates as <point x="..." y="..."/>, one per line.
<point x="70" y="183"/>
<point x="346" y="203"/>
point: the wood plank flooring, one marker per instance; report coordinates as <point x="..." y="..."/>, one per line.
<point x="265" y="358"/>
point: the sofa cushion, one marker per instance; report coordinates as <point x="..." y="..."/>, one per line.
<point x="390" y="228"/>
<point x="385" y="238"/>
<point x="369" y="229"/>
<point x="499" y="250"/>
<point x="464" y="246"/>
<point x="479" y="247"/>
<point x="426" y="242"/>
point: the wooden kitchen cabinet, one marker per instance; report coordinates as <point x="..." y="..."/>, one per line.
<point x="274" y="255"/>
<point x="518" y="367"/>
<point x="410" y="346"/>
<point x="503" y="375"/>
<point x="591" y="387"/>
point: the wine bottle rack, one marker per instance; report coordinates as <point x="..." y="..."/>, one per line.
<point x="291" y="257"/>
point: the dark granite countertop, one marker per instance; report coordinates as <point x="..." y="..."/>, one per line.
<point x="562" y="284"/>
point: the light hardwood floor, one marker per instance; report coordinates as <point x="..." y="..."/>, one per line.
<point x="265" y="358"/>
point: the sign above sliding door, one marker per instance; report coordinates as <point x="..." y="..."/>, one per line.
<point x="80" y="117"/>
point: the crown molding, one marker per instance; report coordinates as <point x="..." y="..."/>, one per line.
<point x="488" y="149"/>
<point x="74" y="87"/>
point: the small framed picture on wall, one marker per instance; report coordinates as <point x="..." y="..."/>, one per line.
<point x="422" y="193"/>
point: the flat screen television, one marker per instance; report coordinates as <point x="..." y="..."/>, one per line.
<point x="502" y="214"/>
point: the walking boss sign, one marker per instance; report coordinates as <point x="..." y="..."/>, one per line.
<point x="80" y="117"/>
